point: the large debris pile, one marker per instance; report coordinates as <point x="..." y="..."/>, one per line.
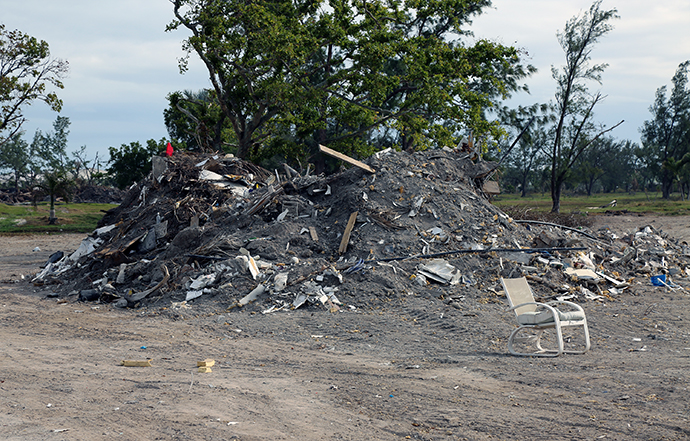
<point x="216" y="227"/>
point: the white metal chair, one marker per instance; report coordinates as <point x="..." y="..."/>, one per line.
<point x="538" y="317"/>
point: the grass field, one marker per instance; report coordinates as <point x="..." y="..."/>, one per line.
<point x="634" y="203"/>
<point x="72" y="218"/>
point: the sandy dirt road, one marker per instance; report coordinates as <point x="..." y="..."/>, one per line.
<point x="415" y="370"/>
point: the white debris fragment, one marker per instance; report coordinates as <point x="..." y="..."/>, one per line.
<point x="202" y="281"/>
<point x="191" y="295"/>
<point x="101" y="231"/>
<point x="252" y="295"/>
<point x="440" y="271"/>
<point x="280" y="281"/>
<point x="87" y="246"/>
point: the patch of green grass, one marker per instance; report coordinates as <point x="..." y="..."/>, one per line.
<point x="633" y="203"/>
<point x="73" y="218"/>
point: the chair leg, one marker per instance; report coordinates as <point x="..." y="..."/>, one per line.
<point x="541" y="352"/>
<point x="587" y="342"/>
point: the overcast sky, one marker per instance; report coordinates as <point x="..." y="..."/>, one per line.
<point x="123" y="63"/>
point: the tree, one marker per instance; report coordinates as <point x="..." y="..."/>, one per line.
<point x="595" y="163"/>
<point x="575" y="131"/>
<point x="347" y="67"/>
<point x="132" y="162"/>
<point x="195" y="121"/>
<point x="14" y="156"/>
<point x="49" y="150"/>
<point x="666" y="137"/>
<point x="26" y="72"/>
<point x="526" y="158"/>
<point x="54" y="183"/>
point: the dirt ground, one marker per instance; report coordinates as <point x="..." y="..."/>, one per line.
<point x="414" y="369"/>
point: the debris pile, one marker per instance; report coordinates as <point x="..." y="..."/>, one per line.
<point x="213" y="227"/>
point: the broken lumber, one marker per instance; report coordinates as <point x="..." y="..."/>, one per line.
<point x="346" y="158"/>
<point x="140" y="295"/>
<point x="348" y="231"/>
<point x="136" y="363"/>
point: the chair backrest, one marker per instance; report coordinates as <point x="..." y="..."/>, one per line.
<point x="518" y="291"/>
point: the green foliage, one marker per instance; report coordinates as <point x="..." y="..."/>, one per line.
<point x="49" y="150"/>
<point x="526" y="158"/>
<point x="196" y="122"/>
<point x="14" y="156"/>
<point x="330" y="71"/>
<point x="132" y="162"/>
<point x="54" y="183"/>
<point x="666" y="137"/>
<point x="26" y="72"/>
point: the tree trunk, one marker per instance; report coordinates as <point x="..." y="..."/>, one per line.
<point x="319" y="158"/>
<point x="524" y="186"/>
<point x="407" y="143"/>
<point x="244" y="146"/>
<point x="666" y="183"/>
<point x="556" y="197"/>
<point x="51" y="216"/>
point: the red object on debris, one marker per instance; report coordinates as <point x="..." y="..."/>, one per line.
<point x="169" y="150"/>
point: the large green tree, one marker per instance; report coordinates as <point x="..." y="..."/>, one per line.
<point x="338" y="69"/>
<point x="575" y="130"/>
<point x="14" y="156"/>
<point x="26" y="74"/>
<point x="666" y="137"/>
<point x="132" y="162"/>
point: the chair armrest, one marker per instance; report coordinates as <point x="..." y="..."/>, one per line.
<point x="563" y="302"/>
<point x="544" y="305"/>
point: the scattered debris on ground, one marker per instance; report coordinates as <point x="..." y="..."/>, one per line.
<point x="87" y="193"/>
<point x="216" y="227"/>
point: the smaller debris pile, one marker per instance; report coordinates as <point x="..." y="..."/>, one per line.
<point x="211" y="227"/>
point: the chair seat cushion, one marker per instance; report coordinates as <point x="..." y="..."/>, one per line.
<point x="544" y="317"/>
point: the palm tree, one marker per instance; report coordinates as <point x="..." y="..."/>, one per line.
<point x="54" y="184"/>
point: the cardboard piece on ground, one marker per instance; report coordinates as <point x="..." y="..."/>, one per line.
<point x="348" y="231"/>
<point x="208" y="362"/>
<point x="491" y="188"/>
<point x="136" y="363"/>
<point x="584" y="274"/>
<point x="346" y="158"/>
<point x="205" y="369"/>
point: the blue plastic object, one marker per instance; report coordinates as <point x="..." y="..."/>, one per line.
<point x="659" y="280"/>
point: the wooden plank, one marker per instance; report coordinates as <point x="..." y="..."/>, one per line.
<point x="491" y="187"/>
<point x="136" y="363"/>
<point x="312" y="233"/>
<point x="346" y="158"/>
<point x="348" y="231"/>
